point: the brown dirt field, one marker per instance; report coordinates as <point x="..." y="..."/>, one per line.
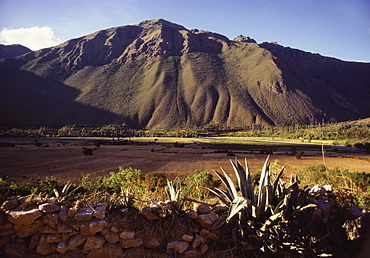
<point x="26" y="161"/>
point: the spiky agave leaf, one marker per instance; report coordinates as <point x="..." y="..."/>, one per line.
<point x="237" y="205"/>
<point x="264" y="180"/>
<point x="244" y="179"/>
<point x="222" y="195"/>
<point x="225" y="178"/>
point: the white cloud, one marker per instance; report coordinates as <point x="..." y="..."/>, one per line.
<point x="34" y="38"/>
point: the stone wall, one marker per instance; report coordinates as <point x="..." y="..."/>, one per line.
<point x="29" y="225"/>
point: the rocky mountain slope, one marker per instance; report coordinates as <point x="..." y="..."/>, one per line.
<point x="13" y="50"/>
<point x="160" y="74"/>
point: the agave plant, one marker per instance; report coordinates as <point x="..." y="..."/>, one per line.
<point x="256" y="214"/>
<point x="174" y="193"/>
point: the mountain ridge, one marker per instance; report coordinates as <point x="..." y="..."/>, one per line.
<point x="160" y="74"/>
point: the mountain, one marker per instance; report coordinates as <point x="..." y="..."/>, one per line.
<point x="13" y="50"/>
<point x="160" y="74"/>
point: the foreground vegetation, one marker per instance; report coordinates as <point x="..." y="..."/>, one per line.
<point x="265" y="213"/>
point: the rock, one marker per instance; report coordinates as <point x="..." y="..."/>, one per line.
<point x="75" y="241"/>
<point x="112" y="237"/>
<point x="149" y="214"/>
<point x="10" y="204"/>
<point x="128" y="243"/>
<point x="94" y="242"/>
<point x="51" y="219"/>
<point x="203" y="208"/>
<point x="6" y="229"/>
<point x="100" y="211"/>
<point x="152" y="243"/>
<point x="206" y="220"/>
<point x="49" y="207"/>
<point x="127" y="234"/>
<point x="24" y="216"/>
<point x="208" y="234"/>
<point x="220" y="209"/>
<point x="73" y="210"/>
<point x="198" y="240"/>
<point x="193" y="214"/>
<point x="108" y="250"/>
<point x="43" y="247"/>
<point x="203" y="248"/>
<point x="34" y="241"/>
<point x="317" y="190"/>
<point x="65" y="228"/>
<point x="54" y="238"/>
<point x="187" y="238"/>
<point x="4" y="240"/>
<point x="23" y="231"/>
<point x="114" y="230"/>
<point x="133" y="253"/>
<point x="63" y="213"/>
<point x="97" y="226"/>
<point x="16" y="250"/>
<point x="177" y="247"/>
<point x="85" y="230"/>
<point x="47" y="230"/>
<point x="83" y="214"/>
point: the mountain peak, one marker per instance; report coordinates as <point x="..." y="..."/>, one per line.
<point x="160" y="22"/>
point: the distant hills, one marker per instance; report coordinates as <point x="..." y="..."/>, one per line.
<point x="159" y="74"/>
<point x="13" y="50"/>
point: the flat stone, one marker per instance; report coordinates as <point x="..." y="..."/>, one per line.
<point x="4" y="240"/>
<point x="220" y="209"/>
<point x="114" y="230"/>
<point x="23" y="231"/>
<point x="193" y="214"/>
<point x="206" y="220"/>
<point x="63" y="213"/>
<point x="112" y="237"/>
<point x="15" y="250"/>
<point x="51" y="219"/>
<point x="187" y="238"/>
<point x="34" y="241"/>
<point x="54" y="238"/>
<point x="85" y="230"/>
<point x="47" y="230"/>
<point x="108" y="250"/>
<point x="127" y="234"/>
<point x="24" y="216"/>
<point x="100" y="211"/>
<point x="152" y="243"/>
<point x="10" y="204"/>
<point x="97" y="226"/>
<point x="75" y="241"/>
<point x="177" y="246"/>
<point x="208" y="234"/>
<point x="128" y="243"/>
<point x="6" y="229"/>
<point x="84" y="213"/>
<point x="203" y="208"/>
<point x="149" y="214"/>
<point x="49" y="207"/>
<point x="198" y="240"/>
<point x="94" y="242"/>
<point x="43" y="247"/>
<point x="73" y="210"/>
<point x="133" y="253"/>
<point x="65" y="228"/>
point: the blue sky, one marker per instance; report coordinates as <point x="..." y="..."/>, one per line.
<point x="335" y="28"/>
